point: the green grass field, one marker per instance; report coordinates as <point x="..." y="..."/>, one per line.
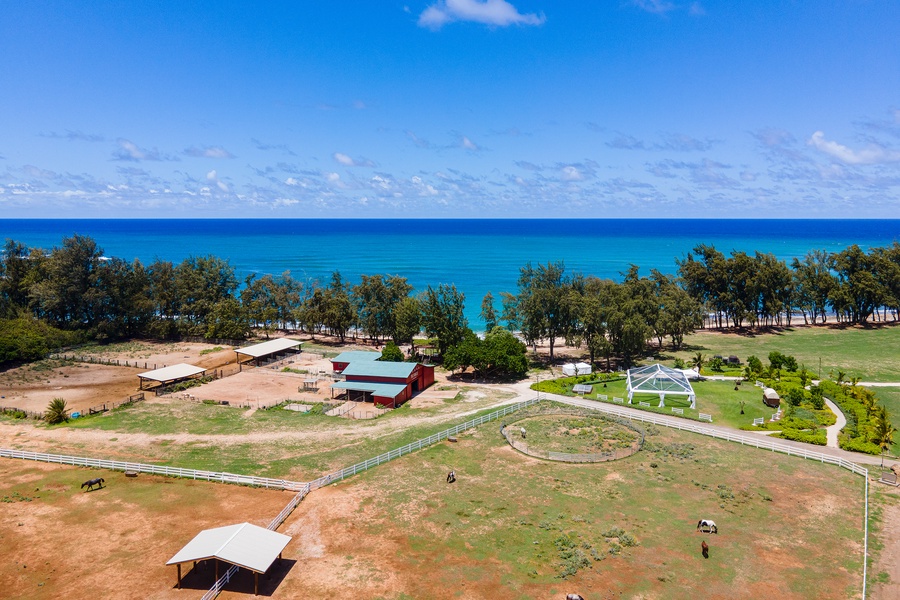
<point x="534" y="529"/>
<point x="870" y="353"/>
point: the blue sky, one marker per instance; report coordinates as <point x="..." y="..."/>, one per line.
<point x="450" y="108"/>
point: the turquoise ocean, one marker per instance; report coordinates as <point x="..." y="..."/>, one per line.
<point x="477" y="255"/>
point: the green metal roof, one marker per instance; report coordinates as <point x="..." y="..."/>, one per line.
<point x="385" y="390"/>
<point x="399" y="370"/>
<point x="354" y="355"/>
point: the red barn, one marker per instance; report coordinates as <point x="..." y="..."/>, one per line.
<point x="386" y="383"/>
<point x="340" y="362"/>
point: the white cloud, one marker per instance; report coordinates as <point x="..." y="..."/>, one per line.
<point x="343" y="159"/>
<point x="213" y="177"/>
<point x="333" y="177"/>
<point x="571" y="173"/>
<point x="496" y="13"/>
<point x="468" y="144"/>
<point x="873" y="155"/>
<point x="208" y="152"/>
<point x="348" y="161"/>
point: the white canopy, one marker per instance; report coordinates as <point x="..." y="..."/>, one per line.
<point x="179" y="371"/>
<point x="659" y="379"/>
<point x="572" y="369"/>
<point x="270" y="347"/>
<point x="245" y="545"/>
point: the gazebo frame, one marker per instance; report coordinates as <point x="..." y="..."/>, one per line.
<point x="661" y="380"/>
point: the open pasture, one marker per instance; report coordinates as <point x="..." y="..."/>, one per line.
<point x="513" y="526"/>
<point x="866" y="352"/>
<point x="62" y="542"/>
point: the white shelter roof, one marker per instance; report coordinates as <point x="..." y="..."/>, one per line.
<point x="582" y="365"/>
<point x="654" y="379"/>
<point x="179" y="371"/>
<point x="245" y="545"/>
<point x="770" y="393"/>
<point x="269" y="347"/>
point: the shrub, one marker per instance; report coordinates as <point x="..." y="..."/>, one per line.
<point x="754" y="364"/>
<point x="57" y="412"/>
<point x="391" y="353"/>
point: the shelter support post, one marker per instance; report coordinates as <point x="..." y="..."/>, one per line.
<point x="179" y="575"/>
<point x="216" y="560"/>
<point x="662" y="399"/>
<point x="256" y="584"/>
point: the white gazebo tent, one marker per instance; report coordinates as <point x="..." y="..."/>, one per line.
<point x="572" y="369"/>
<point x="658" y="379"/>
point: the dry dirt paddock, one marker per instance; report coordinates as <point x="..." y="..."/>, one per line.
<point x="83" y="385"/>
<point x="60" y="542"/>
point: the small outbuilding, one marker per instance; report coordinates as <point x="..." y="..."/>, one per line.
<point x="257" y="353"/>
<point x="771" y="398"/>
<point x="170" y="375"/>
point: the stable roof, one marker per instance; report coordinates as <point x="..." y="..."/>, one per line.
<point x="356" y="355"/>
<point x="270" y="347"/>
<point x="245" y="545"/>
<point x="179" y="371"/>
<point x="396" y="370"/>
<point x="385" y="390"/>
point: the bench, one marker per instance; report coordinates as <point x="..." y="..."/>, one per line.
<point x="678" y="411"/>
<point x="603" y="396"/>
<point x="647" y="404"/>
<point x="759" y="421"/>
<point x="705" y="417"/>
<point x="618" y="400"/>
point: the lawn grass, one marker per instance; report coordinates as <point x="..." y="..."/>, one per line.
<point x="867" y="352"/>
<point x="530" y="524"/>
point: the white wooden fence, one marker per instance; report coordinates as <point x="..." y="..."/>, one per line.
<point x="116" y="465"/>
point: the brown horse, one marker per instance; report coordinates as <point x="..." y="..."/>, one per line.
<point x="704" y="549"/>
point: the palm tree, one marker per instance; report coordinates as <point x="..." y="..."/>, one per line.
<point x="698" y="361"/>
<point x="840" y="378"/>
<point x="57" y="412"/>
<point x="883" y="431"/>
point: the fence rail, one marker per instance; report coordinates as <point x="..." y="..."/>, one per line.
<point x="116" y="465"/>
<point x="419" y="444"/>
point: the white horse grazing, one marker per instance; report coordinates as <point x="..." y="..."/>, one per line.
<point x="574" y="597"/>
<point x="710" y="526"/>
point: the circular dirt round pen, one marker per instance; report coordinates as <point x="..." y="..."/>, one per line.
<point x="574" y="437"/>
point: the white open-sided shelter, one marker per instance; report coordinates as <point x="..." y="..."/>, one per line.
<point x="247" y="546"/>
<point x="274" y="347"/>
<point x="573" y="369"/>
<point x="171" y="374"/>
<point x="661" y="380"/>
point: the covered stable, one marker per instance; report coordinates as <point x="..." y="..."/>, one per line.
<point x="244" y="545"/>
<point x="169" y="375"/>
<point x="340" y="362"/>
<point x="661" y="380"/>
<point x="388" y="384"/>
<point x="271" y="349"/>
<point x="771" y="398"/>
<point x="573" y="369"/>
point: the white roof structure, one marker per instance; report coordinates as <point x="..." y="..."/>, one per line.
<point x="245" y="545"/>
<point x="179" y="371"/>
<point x="572" y="369"/>
<point x="270" y="347"/>
<point x="659" y="379"/>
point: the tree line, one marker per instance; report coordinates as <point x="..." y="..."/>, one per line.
<point x="74" y="292"/>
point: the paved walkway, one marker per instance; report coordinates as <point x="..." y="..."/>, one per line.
<point x="832" y="431"/>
